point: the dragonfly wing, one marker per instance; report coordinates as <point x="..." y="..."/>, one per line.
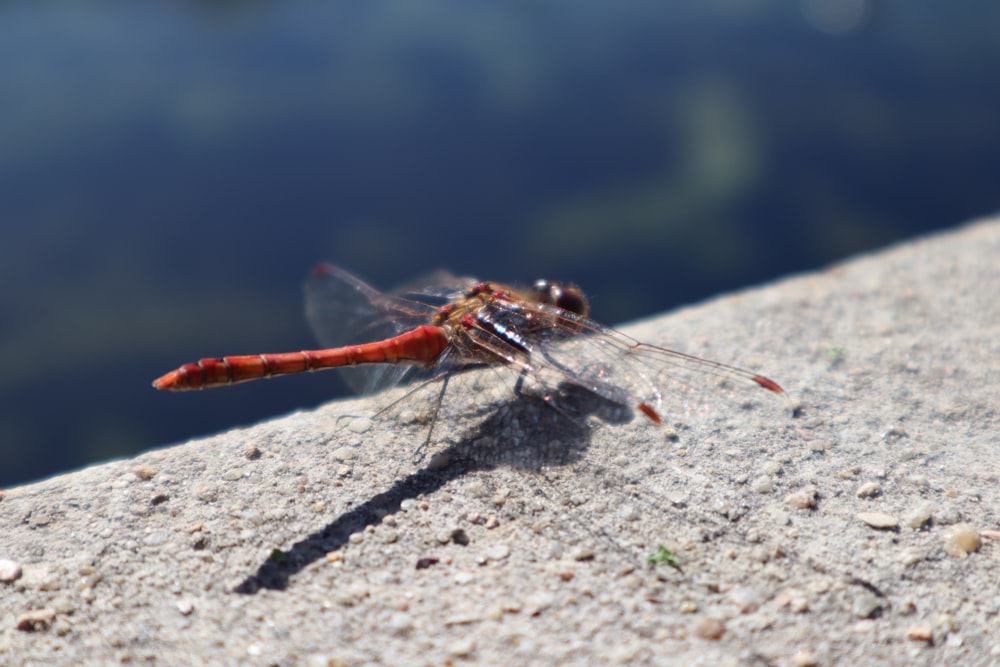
<point x="564" y="348"/>
<point x="435" y="288"/>
<point x="659" y="383"/>
<point x="344" y="310"/>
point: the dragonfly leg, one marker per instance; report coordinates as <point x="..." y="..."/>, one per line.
<point x="422" y="449"/>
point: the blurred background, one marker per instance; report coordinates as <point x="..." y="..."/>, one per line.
<point x="169" y="172"/>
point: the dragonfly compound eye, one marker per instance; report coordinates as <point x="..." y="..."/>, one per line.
<point x="568" y="297"/>
<point x="572" y="299"/>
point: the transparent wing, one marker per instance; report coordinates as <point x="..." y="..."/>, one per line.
<point x="562" y="348"/>
<point x="344" y="310"/>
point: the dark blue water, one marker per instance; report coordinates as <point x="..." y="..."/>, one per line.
<point x="169" y="172"/>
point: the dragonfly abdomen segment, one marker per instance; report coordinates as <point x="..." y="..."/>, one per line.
<point x="421" y="345"/>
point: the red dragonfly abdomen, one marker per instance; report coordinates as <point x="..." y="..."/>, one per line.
<point x="421" y="345"/>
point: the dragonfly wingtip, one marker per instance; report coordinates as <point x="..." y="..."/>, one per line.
<point x="321" y="269"/>
<point x="768" y="383"/>
<point x="653" y="415"/>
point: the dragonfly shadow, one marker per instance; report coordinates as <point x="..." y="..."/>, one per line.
<point x="527" y="433"/>
<point x="534" y="431"/>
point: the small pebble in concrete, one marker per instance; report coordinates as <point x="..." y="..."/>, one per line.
<point x="866" y="604"/>
<point x="462" y="648"/>
<point x="920" y="518"/>
<point x="878" y="520"/>
<point x="709" y="627"/>
<point x="35" y="620"/>
<point x="408" y="505"/>
<point x="849" y="473"/>
<point x="345" y="454"/>
<point x="804" y="658"/>
<point x="868" y="490"/>
<point x="360" y="425"/>
<point x="961" y="540"/>
<point x="477" y="489"/>
<point x="144" y="472"/>
<point x="426" y="562"/>
<point x="9" y="570"/>
<point x="441" y="460"/>
<point x="921" y="633"/>
<point x="803" y="499"/>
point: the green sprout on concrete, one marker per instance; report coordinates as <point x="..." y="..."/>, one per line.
<point x="664" y="555"/>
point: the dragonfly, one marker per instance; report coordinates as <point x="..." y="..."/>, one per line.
<point x="442" y="326"/>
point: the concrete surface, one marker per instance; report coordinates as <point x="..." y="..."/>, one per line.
<point x="855" y="523"/>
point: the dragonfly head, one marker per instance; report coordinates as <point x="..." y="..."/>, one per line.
<point x="561" y="295"/>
